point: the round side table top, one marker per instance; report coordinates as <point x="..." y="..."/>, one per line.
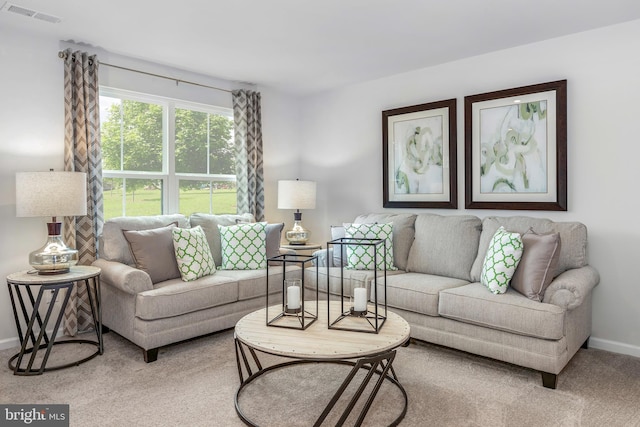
<point x="305" y="247"/>
<point x="318" y="341"/>
<point x="77" y="272"/>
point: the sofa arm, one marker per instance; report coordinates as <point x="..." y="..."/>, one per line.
<point x="570" y="288"/>
<point x="124" y="277"/>
<point x="283" y="251"/>
<point x="325" y="257"/>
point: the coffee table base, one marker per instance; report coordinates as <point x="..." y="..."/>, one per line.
<point x="380" y="365"/>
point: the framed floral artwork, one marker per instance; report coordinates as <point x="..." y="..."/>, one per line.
<point x="516" y="148"/>
<point x="419" y="156"/>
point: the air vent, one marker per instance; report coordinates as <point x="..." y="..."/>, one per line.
<point x="14" y="8"/>
<point x="48" y="18"/>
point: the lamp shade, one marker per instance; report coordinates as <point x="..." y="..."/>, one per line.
<point x="51" y="194"/>
<point x="296" y="194"/>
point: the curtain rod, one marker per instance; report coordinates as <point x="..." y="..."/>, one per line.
<point x="63" y="55"/>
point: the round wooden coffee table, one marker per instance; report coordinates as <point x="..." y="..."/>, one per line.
<point x="369" y="351"/>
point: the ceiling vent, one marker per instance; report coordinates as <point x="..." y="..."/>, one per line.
<point x="14" y="8"/>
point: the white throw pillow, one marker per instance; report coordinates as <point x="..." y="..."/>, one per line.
<point x="501" y="261"/>
<point x="243" y="246"/>
<point x="360" y="257"/>
<point x="192" y="253"/>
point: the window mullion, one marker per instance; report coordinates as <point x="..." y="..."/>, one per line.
<point x="171" y="202"/>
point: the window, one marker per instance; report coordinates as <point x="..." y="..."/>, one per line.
<point x="163" y="156"/>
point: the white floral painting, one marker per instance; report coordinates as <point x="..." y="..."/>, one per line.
<point x="516" y="148"/>
<point x="513" y="148"/>
<point x="419" y="152"/>
<point x="417" y="160"/>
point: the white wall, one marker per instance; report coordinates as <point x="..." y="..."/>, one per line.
<point x="341" y="133"/>
<point x="31" y="138"/>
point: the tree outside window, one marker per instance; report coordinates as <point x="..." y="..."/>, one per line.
<point x="147" y="171"/>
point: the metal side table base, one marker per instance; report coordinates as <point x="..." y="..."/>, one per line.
<point x="26" y="311"/>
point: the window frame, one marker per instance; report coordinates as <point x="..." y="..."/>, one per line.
<point x="169" y="177"/>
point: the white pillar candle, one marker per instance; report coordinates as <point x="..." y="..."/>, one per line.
<point x="360" y="299"/>
<point x="293" y="297"/>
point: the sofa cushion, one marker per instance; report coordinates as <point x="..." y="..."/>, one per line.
<point x="501" y="261"/>
<point x="538" y="264"/>
<point x="403" y="232"/>
<point x="243" y="246"/>
<point x="192" y="253"/>
<point x="153" y="252"/>
<point x="573" y="253"/>
<point x="416" y="292"/>
<point x="350" y="278"/>
<point x="361" y="257"/>
<point x="114" y="247"/>
<point x="175" y="297"/>
<point x="444" y="245"/>
<point x="209" y="224"/>
<point x="511" y="311"/>
<point x="251" y="283"/>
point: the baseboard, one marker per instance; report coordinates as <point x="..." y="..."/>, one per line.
<point x="15" y="342"/>
<point x="614" y="346"/>
<point x="9" y="343"/>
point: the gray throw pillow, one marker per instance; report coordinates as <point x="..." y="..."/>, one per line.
<point x="339" y="251"/>
<point x="538" y="264"/>
<point x="153" y="252"/>
<point x="274" y="232"/>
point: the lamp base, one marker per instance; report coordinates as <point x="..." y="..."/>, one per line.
<point x="298" y="235"/>
<point x="54" y="257"/>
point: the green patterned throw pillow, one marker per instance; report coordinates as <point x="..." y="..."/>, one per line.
<point x="243" y="246"/>
<point x="501" y="261"/>
<point x="192" y="253"/>
<point x="360" y="257"/>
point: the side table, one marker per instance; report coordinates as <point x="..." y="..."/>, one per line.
<point x="302" y="248"/>
<point x="27" y="312"/>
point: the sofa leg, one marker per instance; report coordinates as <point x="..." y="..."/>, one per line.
<point x="150" y="355"/>
<point x="585" y="344"/>
<point x="549" y="380"/>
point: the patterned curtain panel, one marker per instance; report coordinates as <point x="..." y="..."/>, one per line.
<point x="248" y="140"/>
<point x="82" y="153"/>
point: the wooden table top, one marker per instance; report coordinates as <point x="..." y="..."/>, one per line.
<point x="318" y="341"/>
<point x="77" y="272"/>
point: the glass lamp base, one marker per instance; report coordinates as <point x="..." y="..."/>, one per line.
<point x="54" y="257"/>
<point x="298" y="235"/>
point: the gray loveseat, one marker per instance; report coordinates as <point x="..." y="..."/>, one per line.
<point x="436" y="289"/>
<point x="152" y="315"/>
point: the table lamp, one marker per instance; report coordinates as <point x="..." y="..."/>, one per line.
<point x="297" y="195"/>
<point x="52" y="194"/>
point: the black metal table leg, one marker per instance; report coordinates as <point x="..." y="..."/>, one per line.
<point x="26" y="311"/>
<point x="380" y="365"/>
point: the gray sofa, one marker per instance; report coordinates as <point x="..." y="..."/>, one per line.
<point x="436" y="289"/>
<point x="152" y="315"/>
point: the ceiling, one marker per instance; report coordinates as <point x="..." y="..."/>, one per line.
<point x="303" y="47"/>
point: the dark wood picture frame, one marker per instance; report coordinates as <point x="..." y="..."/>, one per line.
<point x="419" y="148"/>
<point x="516" y="140"/>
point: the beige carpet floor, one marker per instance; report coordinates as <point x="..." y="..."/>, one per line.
<point x="194" y="383"/>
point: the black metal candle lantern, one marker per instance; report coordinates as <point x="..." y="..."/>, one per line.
<point x="358" y="312"/>
<point x="298" y="302"/>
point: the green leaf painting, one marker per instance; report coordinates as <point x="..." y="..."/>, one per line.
<point x="418" y="156"/>
<point x="514" y="148"/>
